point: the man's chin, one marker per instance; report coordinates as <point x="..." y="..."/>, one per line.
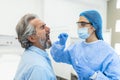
<point x="48" y="44"/>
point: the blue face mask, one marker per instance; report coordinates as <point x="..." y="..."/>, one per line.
<point x="83" y="33"/>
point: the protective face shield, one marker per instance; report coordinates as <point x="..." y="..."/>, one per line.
<point x="83" y="33"/>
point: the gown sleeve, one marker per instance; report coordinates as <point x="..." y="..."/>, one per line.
<point x="59" y="53"/>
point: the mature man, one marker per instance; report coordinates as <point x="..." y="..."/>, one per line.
<point x="33" y="35"/>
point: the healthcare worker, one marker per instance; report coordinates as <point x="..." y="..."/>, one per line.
<point x="92" y="59"/>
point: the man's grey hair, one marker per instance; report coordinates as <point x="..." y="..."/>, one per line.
<point x="25" y="29"/>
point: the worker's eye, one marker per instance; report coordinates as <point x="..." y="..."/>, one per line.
<point x="82" y="24"/>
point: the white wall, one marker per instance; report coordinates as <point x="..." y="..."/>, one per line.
<point x="12" y="10"/>
<point x="64" y="13"/>
<point x="10" y="51"/>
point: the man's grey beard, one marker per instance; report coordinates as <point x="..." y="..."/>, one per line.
<point x="48" y="45"/>
<point x="45" y="44"/>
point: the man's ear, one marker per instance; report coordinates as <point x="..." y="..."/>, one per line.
<point x="32" y="38"/>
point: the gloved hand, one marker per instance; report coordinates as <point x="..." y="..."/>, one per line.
<point x="62" y="38"/>
<point x="83" y="70"/>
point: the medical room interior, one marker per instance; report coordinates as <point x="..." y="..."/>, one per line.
<point x="61" y="16"/>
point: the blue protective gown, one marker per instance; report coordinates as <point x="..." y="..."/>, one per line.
<point x="35" y="65"/>
<point x="98" y="55"/>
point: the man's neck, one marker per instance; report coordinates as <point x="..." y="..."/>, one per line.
<point x="39" y="46"/>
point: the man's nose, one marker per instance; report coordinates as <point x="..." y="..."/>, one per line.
<point x="47" y="29"/>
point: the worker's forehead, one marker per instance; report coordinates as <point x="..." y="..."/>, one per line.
<point x="82" y="19"/>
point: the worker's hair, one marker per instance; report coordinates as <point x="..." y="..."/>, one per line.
<point x="25" y="29"/>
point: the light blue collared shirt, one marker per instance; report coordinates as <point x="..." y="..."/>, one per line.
<point x="35" y="65"/>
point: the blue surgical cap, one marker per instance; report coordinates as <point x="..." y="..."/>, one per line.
<point x="96" y="20"/>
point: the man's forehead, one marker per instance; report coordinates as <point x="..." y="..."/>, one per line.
<point x="36" y="21"/>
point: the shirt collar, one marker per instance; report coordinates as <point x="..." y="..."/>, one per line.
<point x="38" y="51"/>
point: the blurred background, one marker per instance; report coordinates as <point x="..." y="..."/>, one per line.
<point x="60" y="16"/>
